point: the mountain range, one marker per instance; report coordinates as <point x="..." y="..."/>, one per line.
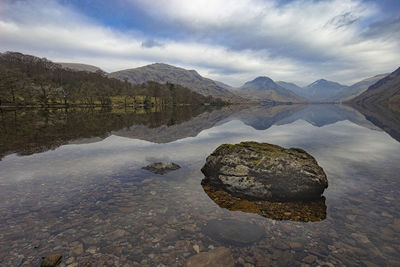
<point x="327" y="91"/>
<point x="261" y="89"/>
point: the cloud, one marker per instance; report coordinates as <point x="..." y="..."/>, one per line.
<point x="298" y="41"/>
<point x="343" y="20"/>
<point x="388" y="28"/>
<point x="151" y="43"/>
<point x="322" y="36"/>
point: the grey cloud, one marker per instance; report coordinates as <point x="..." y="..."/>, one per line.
<point x="384" y="28"/>
<point x="342" y="20"/>
<point x="151" y="43"/>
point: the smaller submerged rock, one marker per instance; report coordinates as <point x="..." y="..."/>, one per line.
<point x="265" y="172"/>
<point x="162" y="167"/>
<point x="51" y="260"/>
<point x="234" y="232"/>
<point x="217" y="257"/>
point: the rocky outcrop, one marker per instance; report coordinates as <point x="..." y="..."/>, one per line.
<point x="264" y="171"/>
<point x="162" y="167"/>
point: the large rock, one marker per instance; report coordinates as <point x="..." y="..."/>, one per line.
<point x="264" y="171"/>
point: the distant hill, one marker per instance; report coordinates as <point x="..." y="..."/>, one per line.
<point x="322" y="90"/>
<point x="163" y="73"/>
<point x="265" y="89"/>
<point x="385" y="91"/>
<point x="356" y="89"/>
<point x="80" y="67"/>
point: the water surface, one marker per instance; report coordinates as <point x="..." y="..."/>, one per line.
<point x="71" y="182"/>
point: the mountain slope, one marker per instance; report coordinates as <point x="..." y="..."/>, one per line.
<point x="163" y="73"/>
<point x="322" y="90"/>
<point x="224" y="85"/>
<point x="80" y="67"/>
<point x="265" y="89"/>
<point x="385" y="91"/>
<point x="292" y="87"/>
<point x="356" y="89"/>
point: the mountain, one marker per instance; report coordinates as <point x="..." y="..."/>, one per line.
<point x="322" y="90"/>
<point x="29" y="80"/>
<point x="356" y="89"/>
<point x="292" y="87"/>
<point x="80" y="67"/>
<point x="265" y="89"/>
<point x="163" y="73"/>
<point x="385" y="91"/>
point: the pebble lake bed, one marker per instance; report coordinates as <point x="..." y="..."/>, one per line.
<point x="90" y="200"/>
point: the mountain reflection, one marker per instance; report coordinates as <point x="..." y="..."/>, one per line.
<point x="29" y="131"/>
<point x="386" y="118"/>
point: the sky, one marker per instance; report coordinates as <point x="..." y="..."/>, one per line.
<point x="232" y="41"/>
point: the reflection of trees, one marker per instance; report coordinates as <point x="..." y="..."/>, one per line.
<point x="28" y="131"/>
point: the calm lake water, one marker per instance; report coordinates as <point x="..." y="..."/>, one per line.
<point x="71" y="182"/>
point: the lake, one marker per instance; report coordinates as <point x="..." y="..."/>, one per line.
<point x="71" y="182"/>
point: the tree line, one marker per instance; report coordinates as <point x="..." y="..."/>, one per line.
<point x="27" y="80"/>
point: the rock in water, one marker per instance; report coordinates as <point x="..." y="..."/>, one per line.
<point x="51" y="260"/>
<point x="217" y="257"/>
<point x="263" y="171"/>
<point x="162" y="167"/>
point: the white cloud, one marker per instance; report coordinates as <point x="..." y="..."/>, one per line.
<point x="301" y="41"/>
<point x="323" y="38"/>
